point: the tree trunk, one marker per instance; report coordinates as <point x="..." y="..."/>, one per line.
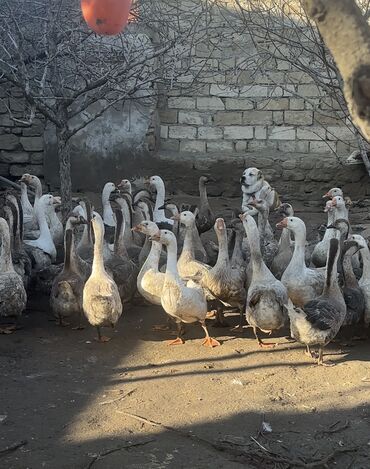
<point x="347" y="35"/>
<point x="64" y="157"/>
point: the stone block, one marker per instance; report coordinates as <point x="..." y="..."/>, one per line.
<point x="278" y="117"/>
<point x="17" y="104"/>
<point x="37" y="158"/>
<point x="288" y="90"/>
<point x="257" y="117"/>
<point x="311" y="133"/>
<point x="253" y="91"/>
<point x="194" y="117"/>
<point x="341" y="133"/>
<point x="283" y="65"/>
<point x="298" y="77"/>
<point x="3" y="108"/>
<point x="228" y="118"/>
<point x="210" y="104"/>
<point x="260" y="132"/>
<point x="210" y="133"/>
<point x="273" y="104"/>
<point x="307" y="163"/>
<point x="223" y="91"/>
<point x="192" y="146"/>
<point x="18" y="170"/>
<point x="182" y="131"/>
<point x="205" y="50"/>
<point x="294" y="175"/>
<point x="309" y="90"/>
<point x="257" y="145"/>
<point x="181" y="103"/>
<point x="242" y="78"/>
<point x="298" y="117"/>
<point x="168" y="116"/>
<point x="8" y="142"/>
<point x="14" y="157"/>
<point x="287" y="147"/>
<point x="235" y="132"/>
<point x="281" y="133"/>
<point x="328" y="103"/>
<point x="322" y="147"/>
<point x="236" y="104"/>
<point x="5" y="121"/>
<point x="32" y="143"/>
<point x="241" y="146"/>
<point x="296" y="104"/>
<point x="4" y="169"/>
<point x="170" y="145"/>
<point x="327" y="119"/>
<point x="302" y="146"/>
<point x="219" y="145"/>
<point x="164" y="131"/>
<point x="288" y="164"/>
<point x="275" y="92"/>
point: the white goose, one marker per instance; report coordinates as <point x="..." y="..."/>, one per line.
<point x="159" y="216"/>
<point x="303" y="284"/>
<point x="267" y="299"/>
<point x="101" y="300"/>
<point x="181" y="302"/>
<point x="44" y="243"/>
<point x="320" y="251"/>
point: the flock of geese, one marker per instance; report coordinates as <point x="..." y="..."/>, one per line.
<point x="144" y="244"/>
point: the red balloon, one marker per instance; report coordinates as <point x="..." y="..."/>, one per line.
<point x="107" y="17"/>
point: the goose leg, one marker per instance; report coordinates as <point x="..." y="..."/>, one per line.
<point x="208" y="341"/>
<point x="61" y="322"/>
<point x="320" y="360"/>
<point x="101" y="338"/>
<point x="179" y="340"/>
<point x="80" y="327"/>
<point x="310" y="353"/>
<point x="163" y="327"/>
<point x="220" y="319"/>
<point x="260" y="341"/>
<point x="240" y="326"/>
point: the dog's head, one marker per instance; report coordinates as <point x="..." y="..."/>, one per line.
<point x="252" y="179"/>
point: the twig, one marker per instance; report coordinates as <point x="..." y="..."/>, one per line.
<point x="259" y="444"/>
<point x="13" y="447"/>
<point x="118" y="398"/>
<point x="119" y="448"/>
<point x="333" y="428"/>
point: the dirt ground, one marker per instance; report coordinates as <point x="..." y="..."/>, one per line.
<point x="69" y="402"/>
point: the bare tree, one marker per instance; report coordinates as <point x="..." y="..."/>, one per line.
<point x="72" y="76"/>
<point x="344" y="28"/>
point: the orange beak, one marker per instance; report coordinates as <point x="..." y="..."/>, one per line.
<point x="282" y="224"/>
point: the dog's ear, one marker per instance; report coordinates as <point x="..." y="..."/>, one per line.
<point x="259" y="174"/>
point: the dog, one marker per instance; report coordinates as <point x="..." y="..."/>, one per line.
<point x="253" y="185"/>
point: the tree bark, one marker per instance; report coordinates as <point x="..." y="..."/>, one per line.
<point x="347" y="35"/>
<point x="64" y="157"/>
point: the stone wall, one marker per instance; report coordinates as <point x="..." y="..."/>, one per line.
<point x="21" y="145"/>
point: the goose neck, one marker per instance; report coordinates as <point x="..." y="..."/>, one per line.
<point x="349" y="276"/>
<point x="171" y="267"/>
<point x="254" y="243"/>
<point x="331" y="275"/>
<point x="298" y="258"/>
<point x="98" y="261"/>
<point x="188" y="246"/>
<point x="6" y="256"/>
<point x="203" y="198"/>
<point x="365" y="254"/>
<point x="223" y="253"/>
<point x="152" y="261"/>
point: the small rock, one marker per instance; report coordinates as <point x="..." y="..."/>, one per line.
<point x="3" y="418"/>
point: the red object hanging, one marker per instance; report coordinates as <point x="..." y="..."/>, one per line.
<point x="107" y="17"/>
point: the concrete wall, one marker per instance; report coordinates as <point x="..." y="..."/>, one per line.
<point x="104" y="149"/>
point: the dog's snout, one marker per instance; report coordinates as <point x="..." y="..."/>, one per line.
<point x="242" y="179"/>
